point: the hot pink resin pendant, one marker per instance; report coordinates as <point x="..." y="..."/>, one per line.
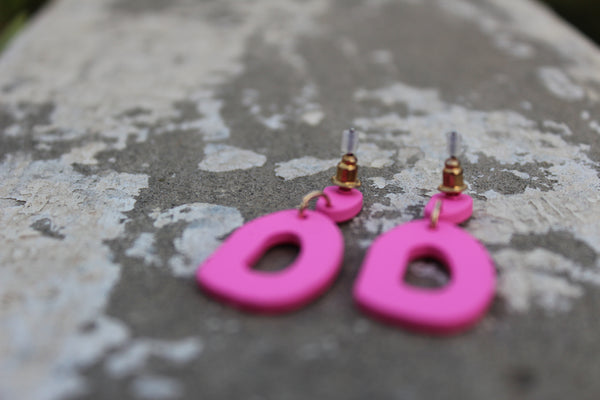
<point x="380" y="288"/>
<point x="345" y="204"/>
<point x="455" y="208"/>
<point x="228" y="273"/>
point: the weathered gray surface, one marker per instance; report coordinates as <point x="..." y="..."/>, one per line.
<point x="135" y="135"/>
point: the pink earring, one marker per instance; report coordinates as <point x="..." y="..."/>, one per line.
<point x="228" y="274"/>
<point x="380" y="289"/>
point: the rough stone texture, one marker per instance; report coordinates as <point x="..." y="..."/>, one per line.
<point x="136" y="135"/>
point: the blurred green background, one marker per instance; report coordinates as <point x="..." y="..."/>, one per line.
<point x="584" y="14"/>
<point x="13" y="16"/>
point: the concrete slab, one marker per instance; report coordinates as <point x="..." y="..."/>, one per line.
<point x="136" y="135"/>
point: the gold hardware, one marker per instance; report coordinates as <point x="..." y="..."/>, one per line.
<point x="346" y="176"/>
<point x="435" y="214"/>
<point x="312" y="195"/>
<point x="452" y="178"/>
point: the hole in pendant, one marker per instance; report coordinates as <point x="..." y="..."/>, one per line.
<point x="427" y="273"/>
<point x="277" y="258"/>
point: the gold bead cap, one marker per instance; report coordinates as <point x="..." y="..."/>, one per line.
<point x="453" y="183"/>
<point x="346" y="176"/>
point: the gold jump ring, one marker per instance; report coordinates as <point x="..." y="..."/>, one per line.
<point x="312" y="195"/>
<point x="435" y="214"/>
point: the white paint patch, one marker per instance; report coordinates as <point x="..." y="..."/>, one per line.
<point x="192" y="212"/>
<point x="143" y="248"/>
<point x="221" y="157"/>
<point x="518" y="174"/>
<point x="13" y="130"/>
<point x="305" y="106"/>
<point x="313" y="118"/>
<point x="557" y="127"/>
<point x="487" y="131"/>
<point x="67" y="281"/>
<point x="250" y="98"/>
<point x="491" y="194"/>
<point x="398" y="93"/>
<point x="595" y="126"/>
<point x="211" y="125"/>
<point x="84" y="155"/>
<point x="370" y="155"/>
<point x="513" y="47"/>
<point x="302" y="108"/>
<point x="569" y="206"/>
<point x="303" y="166"/>
<point x="542" y="278"/>
<point x="110" y="84"/>
<point x="92" y="93"/>
<point x="99" y="336"/>
<point x="379" y="182"/>
<point x="206" y="224"/>
<point x="155" y="387"/>
<point x="559" y="84"/>
<point x="274" y="122"/>
<point x="133" y="358"/>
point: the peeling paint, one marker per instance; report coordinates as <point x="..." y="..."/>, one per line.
<point x="134" y="356"/>
<point x="302" y="107"/>
<point x="92" y="93"/>
<point x="559" y="84"/>
<point x="206" y="224"/>
<point x="416" y="99"/>
<point x="492" y="135"/>
<point x="542" y="278"/>
<point x="368" y="154"/>
<point x="221" y="157"/>
<point x="144" y="248"/>
<point x="303" y="166"/>
<point x="313" y="118"/>
<point x="211" y="124"/>
<point x="250" y="100"/>
<point x="68" y="281"/>
<point x="91" y="117"/>
<point x="558" y="127"/>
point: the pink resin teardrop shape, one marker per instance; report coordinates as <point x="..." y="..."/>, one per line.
<point x="228" y="274"/>
<point x="381" y="290"/>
